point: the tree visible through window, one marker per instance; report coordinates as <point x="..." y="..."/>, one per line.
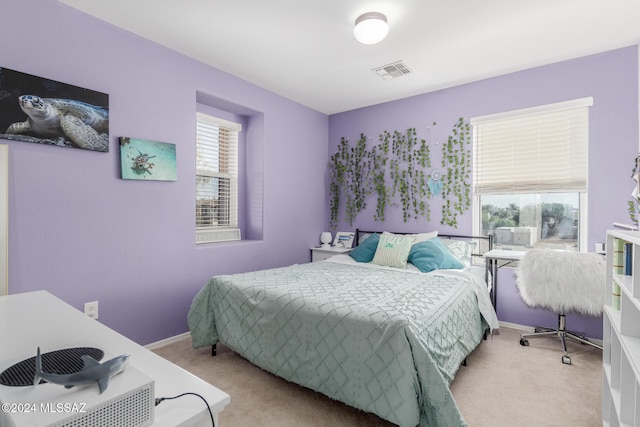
<point x="532" y="219"/>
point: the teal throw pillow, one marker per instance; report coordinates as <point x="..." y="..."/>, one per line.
<point x="432" y="255"/>
<point x="365" y="250"/>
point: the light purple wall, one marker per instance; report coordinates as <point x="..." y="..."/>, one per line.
<point x="83" y="234"/>
<point x="611" y="78"/>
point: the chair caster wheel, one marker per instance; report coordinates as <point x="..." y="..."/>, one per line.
<point x="524" y="342"/>
<point x="566" y="360"/>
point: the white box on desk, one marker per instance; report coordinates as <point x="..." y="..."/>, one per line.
<point x="129" y="400"/>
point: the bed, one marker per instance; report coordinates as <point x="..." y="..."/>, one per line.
<point x="382" y="339"/>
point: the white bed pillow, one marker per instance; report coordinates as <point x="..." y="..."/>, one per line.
<point x="461" y="249"/>
<point x="419" y="237"/>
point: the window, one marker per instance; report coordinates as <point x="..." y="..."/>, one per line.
<point x="216" y="179"/>
<point x="530" y="176"/>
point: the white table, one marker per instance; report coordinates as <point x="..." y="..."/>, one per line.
<point x="35" y="319"/>
<point x="495" y="259"/>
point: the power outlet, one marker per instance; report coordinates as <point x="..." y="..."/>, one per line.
<point x="91" y="309"/>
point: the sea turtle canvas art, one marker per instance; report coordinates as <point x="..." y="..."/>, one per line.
<point x="147" y="160"/>
<point x="39" y="110"/>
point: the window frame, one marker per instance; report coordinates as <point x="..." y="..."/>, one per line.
<point x="583" y="193"/>
<point x="230" y="231"/>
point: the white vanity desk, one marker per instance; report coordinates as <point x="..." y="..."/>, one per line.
<point x="35" y="319"/>
<point x="495" y="259"/>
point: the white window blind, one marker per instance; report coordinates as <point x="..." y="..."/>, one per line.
<point x="538" y="150"/>
<point x="216" y="179"/>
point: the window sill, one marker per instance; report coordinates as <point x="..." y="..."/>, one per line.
<point x="218" y="235"/>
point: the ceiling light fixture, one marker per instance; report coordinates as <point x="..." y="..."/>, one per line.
<point x="371" y="28"/>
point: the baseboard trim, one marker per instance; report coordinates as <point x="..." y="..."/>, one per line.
<point x="529" y="329"/>
<point x="167" y="341"/>
<point x="515" y="326"/>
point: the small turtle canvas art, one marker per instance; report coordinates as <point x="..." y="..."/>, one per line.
<point x="39" y="110"/>
<point x="147" y="160"/>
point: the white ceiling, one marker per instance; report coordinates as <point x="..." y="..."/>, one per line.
<point x="304" y="50"/>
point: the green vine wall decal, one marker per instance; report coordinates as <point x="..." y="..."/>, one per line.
<point x="456" y="186"/>
<point x="396" y="170"/>
<point x="378" y="165"/>
<point x="337" y="172"/>
<point x="410" y="157"/>
<point x="349" y="179"/>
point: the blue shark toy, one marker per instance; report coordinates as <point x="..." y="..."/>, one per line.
<point x="93" y="371"/>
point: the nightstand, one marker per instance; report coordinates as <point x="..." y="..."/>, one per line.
<point x="321" y="253"/>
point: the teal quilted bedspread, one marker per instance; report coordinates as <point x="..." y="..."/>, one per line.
<point x="383" y="341"/>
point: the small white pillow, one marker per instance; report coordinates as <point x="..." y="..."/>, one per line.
<point x="461" y="249"/>
<point x="420" y="237"/>
<point x="393" y="250"/>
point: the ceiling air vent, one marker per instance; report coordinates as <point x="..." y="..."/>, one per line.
<point x="393" y="70"/>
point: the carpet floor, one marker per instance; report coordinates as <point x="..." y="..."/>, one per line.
<point x="503" y="384"/>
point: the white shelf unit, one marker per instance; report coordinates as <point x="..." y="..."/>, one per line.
<point x="621" y="336"/>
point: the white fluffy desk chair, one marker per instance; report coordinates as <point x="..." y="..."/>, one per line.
<point x="562" y="281"/>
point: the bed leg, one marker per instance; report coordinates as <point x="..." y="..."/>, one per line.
<point x="213" y="350"/>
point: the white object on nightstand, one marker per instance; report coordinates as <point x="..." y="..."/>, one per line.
<point x="322" y="253"/>
<point x="325" y="239"/>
